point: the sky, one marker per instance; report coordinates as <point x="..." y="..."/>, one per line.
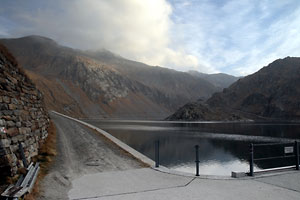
<point x="237" y="37"/>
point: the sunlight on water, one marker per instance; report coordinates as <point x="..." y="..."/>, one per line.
<point x="215" y="168"/>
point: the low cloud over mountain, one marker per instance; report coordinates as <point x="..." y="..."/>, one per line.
<point x="102" y="84"/>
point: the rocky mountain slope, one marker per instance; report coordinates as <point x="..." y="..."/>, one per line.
<point x="177" y="85"/>
<point x="102" y="84"/>
<point x="271" y="93"/>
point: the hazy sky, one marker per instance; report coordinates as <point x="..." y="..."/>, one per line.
<point x="232" y="36"/>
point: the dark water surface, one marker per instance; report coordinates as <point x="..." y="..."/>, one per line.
<point x="224" y="147"/>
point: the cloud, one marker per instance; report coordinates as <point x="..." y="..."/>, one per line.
<point x="231" y="36"/>
<point x="138" y="30"/>
<point x="238" y="37"/>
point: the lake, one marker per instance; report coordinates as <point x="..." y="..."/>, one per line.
<point x="223" y="146"/>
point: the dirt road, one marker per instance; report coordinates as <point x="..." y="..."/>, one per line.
<point x="80" y="151"/>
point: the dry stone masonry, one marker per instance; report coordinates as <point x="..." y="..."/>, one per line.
<point x="23" y="117"/>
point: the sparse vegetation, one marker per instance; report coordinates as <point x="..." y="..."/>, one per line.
<point x="4" y="51"/>
<point x="46" y="157"/>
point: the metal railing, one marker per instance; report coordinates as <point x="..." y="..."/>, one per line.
<point x="157" y="161"/>
<point x="157" y="153"/>
<point x="197" y="161"/>
<point x="288" y="150"/>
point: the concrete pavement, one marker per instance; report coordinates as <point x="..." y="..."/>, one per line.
<point x="151" y="184"/>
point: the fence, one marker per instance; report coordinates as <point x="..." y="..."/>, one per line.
<point x="157" y="159"/>
<point x="289" y="150"/>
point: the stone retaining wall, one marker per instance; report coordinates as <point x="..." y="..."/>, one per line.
<point x="22" y="114"/>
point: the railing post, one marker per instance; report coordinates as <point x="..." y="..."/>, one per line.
<point x="197" y="160"/>
<point x="251" y="160"/>
<point x="157" y="153"/>
<point x="296" y="150"/>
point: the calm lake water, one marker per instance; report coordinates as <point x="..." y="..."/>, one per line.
<point x="224" y="147"/>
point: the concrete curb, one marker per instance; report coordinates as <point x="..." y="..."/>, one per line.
<point x="121" y="144"/>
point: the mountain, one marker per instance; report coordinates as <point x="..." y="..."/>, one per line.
<point x="179" y="86"/>
<point x="272" y="93"/>
<point x="103" y="84"/>
<point x="219" y="80"/>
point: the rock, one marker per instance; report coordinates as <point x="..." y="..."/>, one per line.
<point x="11" y="159"/>
<point x="14" y="147"/>
<point x="18" y="124"/>
<point x="6" y="117"/>
<point x="12" y="132"/>
<point x="2" y="152"/>
<point x="14" y="170"/>
<point x="2" y="123"/>
<point x="6" y="99"/>
<point x="20" y="165"/>
<point x="7" y="112"/>
<point x="12" y="106"/>
<point x="15" y="140"/>
<point x="14" y="101"/>
<point x="13" y="80"/>
<point x="4" y="143"/>
<point x="3" y="106"/>
<point x="198" y="111"/>
<point x="10" y="124"/>
<point x="24" y="112"/>
<point x="28" y="124"/>
<point x="21" y="137"/>
<point x="33" y="115"/>
<point x="3" y="136"/>
<point x="17" y="112"/>
<point x="3" y="80"/>
<point x="24" y="130"/>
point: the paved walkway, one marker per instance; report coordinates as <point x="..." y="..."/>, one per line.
<point x="150" y="184"/>
<point x="80" y="151"/>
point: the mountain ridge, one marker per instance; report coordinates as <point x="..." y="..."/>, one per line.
<point x="269" y="94"/>
<point x="107" y="86"/>
<point x="220" y="80"/>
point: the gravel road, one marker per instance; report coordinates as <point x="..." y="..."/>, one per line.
<point x="80" y="151"/>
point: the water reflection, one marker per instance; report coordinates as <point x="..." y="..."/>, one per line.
<point x="223" y="148"/>
<point x="214" y="167"/>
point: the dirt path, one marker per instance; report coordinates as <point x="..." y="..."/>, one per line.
<point x="80" y="151"/>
